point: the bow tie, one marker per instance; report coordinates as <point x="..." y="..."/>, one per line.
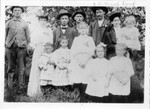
<point x="64" y="28"/>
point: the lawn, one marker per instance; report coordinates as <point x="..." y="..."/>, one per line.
<point x="60" y="95"/>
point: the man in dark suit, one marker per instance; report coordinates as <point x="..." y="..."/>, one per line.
<point x="17" y="42"/>
<point x="102" y="31"/>
<point x="63" y="29"/>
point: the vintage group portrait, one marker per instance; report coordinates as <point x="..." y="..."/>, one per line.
<point x="74" y="54"/>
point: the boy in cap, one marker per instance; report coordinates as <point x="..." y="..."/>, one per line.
<point x="17" y="43"/>
<point x="63" y="29"/>
<point x="101" y="30"/>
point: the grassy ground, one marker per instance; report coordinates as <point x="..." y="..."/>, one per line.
<point x="58" y="95"/>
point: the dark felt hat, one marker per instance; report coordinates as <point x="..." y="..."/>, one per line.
<point x="12" y="8"/>
<point x="63" y="12"/>
<point x="105" y="9"/>
<point x="113" y="15"/>
<point x="79" y="12"/>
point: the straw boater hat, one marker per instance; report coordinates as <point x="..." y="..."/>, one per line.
<point x="63" y="12"/>
<point x="114" y="14"/>
<point x="79" y="12"/>
<point x="105" y="9"/>
<point x="12" y="8"/>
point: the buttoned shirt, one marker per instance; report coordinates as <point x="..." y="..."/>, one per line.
<point x="17" y="31"/>
<point x="100" y="22"/>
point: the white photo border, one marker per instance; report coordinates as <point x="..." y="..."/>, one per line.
<point x="115" y="3"/>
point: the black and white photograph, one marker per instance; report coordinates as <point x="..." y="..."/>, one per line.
<point x="74" y="54"/>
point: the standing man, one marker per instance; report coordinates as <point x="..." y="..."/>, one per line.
<point x="17" y="42"/>
<point x="63" y="29"/>
<point x="78" y="16"/>
<point x="102" y="31"/>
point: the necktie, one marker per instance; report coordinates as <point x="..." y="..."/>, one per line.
<point x="64" y="28"/>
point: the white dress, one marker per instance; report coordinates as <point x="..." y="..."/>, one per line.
<point x="118" y="31"/>
<point x="46" y="75"/>
<point x="98" y="69"/>
<point x="62" y="58"/>
<point x="121" y="70"/>
<point x="41" y="38"/>
<point x="130" y="37"/>
<point x="83" y="48"/>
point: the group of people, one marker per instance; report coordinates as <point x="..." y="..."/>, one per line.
<point x="95" y="59"/>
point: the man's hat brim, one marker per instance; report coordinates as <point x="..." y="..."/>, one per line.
<point x="116" y="14"/>
<point x="62" y="14"/>
<point x="78" y="12"/>
<point x="105" y="9"/>
<point x="12" y="8"/>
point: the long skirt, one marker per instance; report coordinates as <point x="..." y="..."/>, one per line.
<point x="34" y="78"/>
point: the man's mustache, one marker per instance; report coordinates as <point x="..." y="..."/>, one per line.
<point x="99" y="15"/>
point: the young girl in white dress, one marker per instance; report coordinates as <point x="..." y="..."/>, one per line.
<point x="131" y="35"/>
<point x="46" y="65"/>
<point x="82" y="51"/>
<point x="42" y="35"/>
<point x="97" y="82"/>
<point x="120" y="72"/>
<point x="62" y="58"/>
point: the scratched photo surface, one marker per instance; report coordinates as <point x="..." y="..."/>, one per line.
<point x="102" y="61"/>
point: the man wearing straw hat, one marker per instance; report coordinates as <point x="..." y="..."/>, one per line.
<point x="17" y="43"/>
<point x="63" y="29"/>
<point x="101" y="30"/>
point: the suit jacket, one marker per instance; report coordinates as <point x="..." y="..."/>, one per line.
<point x="105" y="33"/>
<point x="57" y="33"/>
<point x="17" y="31"/>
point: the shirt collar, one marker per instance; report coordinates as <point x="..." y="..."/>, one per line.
<point x="64" y="26"/>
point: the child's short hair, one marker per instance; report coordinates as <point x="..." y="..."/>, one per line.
<point x="101" y="45"/>
<point x="82" y="24"/>
<point x="131" y="19"/>
<point x="63" y="38"/>
<point x="48" y="45"/>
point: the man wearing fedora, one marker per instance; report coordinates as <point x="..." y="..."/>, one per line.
<point x="78" y="16"/>
<point x="63" y="29"/>
<point x="17" y="41"/>
<point x="101" y="30"/>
